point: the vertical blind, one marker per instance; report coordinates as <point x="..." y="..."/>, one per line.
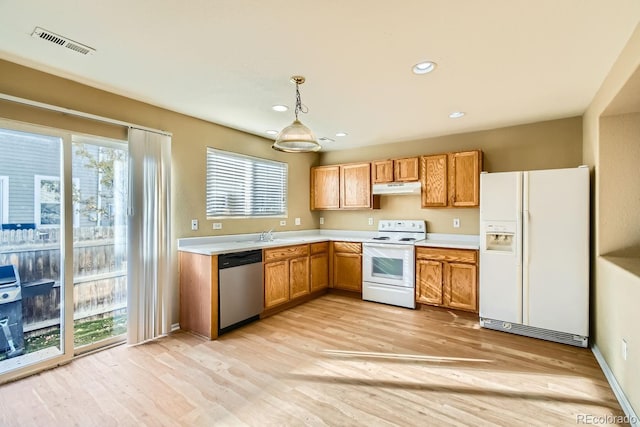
<point x="245" y="186"/>
<point x="149" y="277"/>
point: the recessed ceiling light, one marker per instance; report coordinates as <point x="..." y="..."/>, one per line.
<point x="341" y="134"/>
<point x="280" y="108"/>
<point x="424" y="67"/>
<point x="325" y="139"/>
<point x="272" y="132"/>
<point x="456" y="114"/>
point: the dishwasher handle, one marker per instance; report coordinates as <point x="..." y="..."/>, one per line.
<point x="236" y="259"/>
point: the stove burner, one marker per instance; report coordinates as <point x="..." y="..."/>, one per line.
<point x="407" y="239"/>
<point x="381" y="238"/>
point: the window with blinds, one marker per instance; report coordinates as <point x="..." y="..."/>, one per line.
<point x="245" y="186"/>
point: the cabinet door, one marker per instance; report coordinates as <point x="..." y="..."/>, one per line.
<point x="325" y="187"/>
<point x="355" y="190"/>
<point x="406" y="169"/>
<point x="299" y="277"/>
<point x="319" y="271"/>
<point x="464" y="178"/>
<point x="347" y="271"/>
<point x="429" y="281"/>
<point x="461" y="286"/>
<point x="434" y="180"/>
<point x="382" y="171"/>
<point x="276" y="283"/>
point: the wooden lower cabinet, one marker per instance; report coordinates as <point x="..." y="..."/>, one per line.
<point x="461" y="286"/>
<point x="347" y="266"/>
<point x="447" y="277"/>
<point x="298" y="277"/>
<point x="276" y="283"/>
<point x="289" y="273"/>
<point x="429" y="281"/>
<point x="319" y="267"/>
<point x="199" y="293"/>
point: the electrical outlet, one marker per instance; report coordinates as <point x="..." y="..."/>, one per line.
<point x="624" y="349"/>
<point x="370" y="221"/>
<point x="283" y="222"/>
<point x="194" y="224"/>
<point x="297" y="221"/>
<point x="217" y="226"/>
<point x="456" y="222"/>
<point x="321" y="220"/>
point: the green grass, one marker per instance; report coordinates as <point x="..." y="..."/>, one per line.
<point x="96" y="330"/>
<point x="85" y="332"/>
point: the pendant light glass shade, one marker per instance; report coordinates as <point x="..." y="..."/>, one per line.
<point x="296" y="138"/>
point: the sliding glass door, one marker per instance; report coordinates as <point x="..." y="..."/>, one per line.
<point x="63" y="246"/>
<point x="100" y="184"/>
<point x="32" y="255"/>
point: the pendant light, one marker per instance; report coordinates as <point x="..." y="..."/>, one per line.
<point x="297" y="138"/>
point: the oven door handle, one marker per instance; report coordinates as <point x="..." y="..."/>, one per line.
<point x="386" y="246"/>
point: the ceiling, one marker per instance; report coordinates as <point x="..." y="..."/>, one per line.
<point x="503" y="62"/>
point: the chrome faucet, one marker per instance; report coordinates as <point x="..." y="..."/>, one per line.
<point x="266" y="236"/>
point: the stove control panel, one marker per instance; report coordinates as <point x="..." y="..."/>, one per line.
<point x="411" y="226"/>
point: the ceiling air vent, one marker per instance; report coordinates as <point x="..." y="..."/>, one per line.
<point x="47" y="35"/>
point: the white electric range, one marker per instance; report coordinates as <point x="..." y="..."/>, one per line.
<point x="388" y="262"/>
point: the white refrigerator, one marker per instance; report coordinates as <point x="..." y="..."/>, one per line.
<point x="534" y="254"/>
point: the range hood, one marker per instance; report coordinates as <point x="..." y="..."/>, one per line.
<point x="397" y="188"/>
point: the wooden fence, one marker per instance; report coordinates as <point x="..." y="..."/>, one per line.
<point x="99" y="271"/>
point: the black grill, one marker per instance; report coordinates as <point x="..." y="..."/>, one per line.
<point x="11" y="331"/>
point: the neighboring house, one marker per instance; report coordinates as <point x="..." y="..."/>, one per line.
<point x="30" y="183"/>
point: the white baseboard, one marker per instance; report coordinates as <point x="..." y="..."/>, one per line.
<point x="617" y="390"/>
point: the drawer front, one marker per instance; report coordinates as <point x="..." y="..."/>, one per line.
<point x="285" y="252"/>
<point x="351" y="247"/>
<point x="451" y="255"/>
<point x="317" y="248"/>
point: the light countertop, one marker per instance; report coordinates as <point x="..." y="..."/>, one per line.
<point x="215" y="245"/>
<point x="455" y="241"/>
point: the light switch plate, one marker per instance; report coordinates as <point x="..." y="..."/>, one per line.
<point x="456" y="222"/>
<point x="321" y="220"/>
<point x="370" y="221"/>
<point x="194" y="224"/>
<point x="217" y="226"/>
<point x="624" y="349"/>
<point x="297" y="222"/>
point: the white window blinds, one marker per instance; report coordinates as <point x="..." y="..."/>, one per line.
<point x="245" y="186"/>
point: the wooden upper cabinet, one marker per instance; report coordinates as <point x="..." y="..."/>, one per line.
<point x="451" y="179"/>
<point x="464" y="178"/>
<point x="382" y="171"/>
<point x="406" y="169"/>
<point x="342" y="187"/>
<point x="355" y="182"/>
<point x="325" y="187"/>
<point x="434" y="180"/>
<point x="397" y="170"/>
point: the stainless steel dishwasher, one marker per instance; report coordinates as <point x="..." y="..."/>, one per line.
<point x="240" y="289"/>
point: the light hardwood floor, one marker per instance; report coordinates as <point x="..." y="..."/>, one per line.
<point x="334" y="361"/>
